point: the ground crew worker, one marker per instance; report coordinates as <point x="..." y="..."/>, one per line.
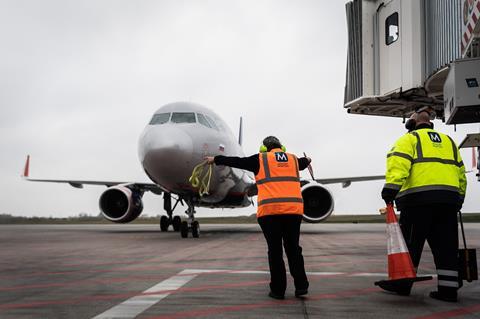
<point x="280" y="209"/>
<point x="426" y="178"/>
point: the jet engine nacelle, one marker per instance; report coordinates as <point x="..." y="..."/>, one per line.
<point x="119" y="204"/>
<point x="317" y="202"/>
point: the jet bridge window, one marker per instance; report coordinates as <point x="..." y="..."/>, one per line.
<point x="391" y="29"/>
<point x="202" y="120"/>
<point x="186" y="117"/>
<point x="161" y="118"/>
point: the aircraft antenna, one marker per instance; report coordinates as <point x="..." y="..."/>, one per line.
<point x="240" y="132"/>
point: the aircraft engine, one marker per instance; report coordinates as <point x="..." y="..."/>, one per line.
<point x="317" y="201"/>
<point x="119" y="204"/>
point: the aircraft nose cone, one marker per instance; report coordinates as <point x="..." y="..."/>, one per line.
<point x="167" y="155"/>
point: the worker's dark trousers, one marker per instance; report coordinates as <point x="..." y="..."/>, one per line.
<point x="437" y="223"/>
<point x="286" y="229"/>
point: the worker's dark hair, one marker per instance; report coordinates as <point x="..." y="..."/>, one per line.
<point x="271" y="142"/>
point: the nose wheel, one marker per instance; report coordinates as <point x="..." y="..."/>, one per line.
<point x="194" y="228"/>
<point x="190" y="225"/>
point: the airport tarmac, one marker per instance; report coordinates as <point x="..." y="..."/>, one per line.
<point x="136" y="271"/>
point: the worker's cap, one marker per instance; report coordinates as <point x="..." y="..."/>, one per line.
<point x="431" y="112"/>
<point x="272" y="142"/>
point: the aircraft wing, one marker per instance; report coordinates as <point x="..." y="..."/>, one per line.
<point x="154" y="188"/>
<point x="346" y="181"/>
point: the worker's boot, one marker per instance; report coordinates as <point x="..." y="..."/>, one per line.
<point x="301" y="292"/>
<point x="273" y="295"/>
<point x="445" y="294"/>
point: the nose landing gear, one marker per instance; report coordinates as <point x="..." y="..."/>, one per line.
<point x="190" y="225"/>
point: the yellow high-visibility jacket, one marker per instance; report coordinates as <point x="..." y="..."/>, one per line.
<point x="425" y="161"/>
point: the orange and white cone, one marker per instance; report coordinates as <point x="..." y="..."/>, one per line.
<point x="400" y="266"/>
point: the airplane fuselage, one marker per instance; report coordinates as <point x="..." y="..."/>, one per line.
<point x="177" y="139"/>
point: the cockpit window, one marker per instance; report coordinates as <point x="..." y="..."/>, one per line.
<point x="161" y="118"/>
<point x="212" y="122"/>
<point x="183" y="117"/>
<point x="202" y="120"/>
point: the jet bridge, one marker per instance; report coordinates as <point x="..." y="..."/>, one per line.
<point x="400" y="53"/>
<point x="404" y="54"/>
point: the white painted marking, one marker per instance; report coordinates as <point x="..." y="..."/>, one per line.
<point x="138" y="304"/>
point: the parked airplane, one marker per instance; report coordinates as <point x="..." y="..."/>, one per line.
<point x="176" y="139"/>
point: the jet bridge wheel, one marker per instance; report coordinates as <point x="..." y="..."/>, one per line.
<point x="164" y="223"/>
<point x="195" y="229"/>
<point x="184" y="229"/>
<point x="176" y="223"/>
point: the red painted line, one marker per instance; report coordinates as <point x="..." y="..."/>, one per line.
<point x="74" y="265"/>
<point x="265" y="304"/>
<point x="253" y="237"/>
<point x="452" y="313"/>
<point x="222" y="286"/>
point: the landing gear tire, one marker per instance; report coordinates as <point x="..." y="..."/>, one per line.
<point x="184" y="229"/>
<point x="195" y="229"/>
<point x="176" y="223"/>
<point x="164" y="223"/>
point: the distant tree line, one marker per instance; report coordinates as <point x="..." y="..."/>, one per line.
<point x="83" y="218"/>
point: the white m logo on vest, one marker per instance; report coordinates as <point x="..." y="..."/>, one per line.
<point x="435" y="137"/>
<point x="281" y="157"/>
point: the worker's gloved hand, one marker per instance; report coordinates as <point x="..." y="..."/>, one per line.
<point x="209" y="159"/>
<point x="389" y="194"/>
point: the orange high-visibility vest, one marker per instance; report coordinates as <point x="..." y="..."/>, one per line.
<point x="278" y="184"/>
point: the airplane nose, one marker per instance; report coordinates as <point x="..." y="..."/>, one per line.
<point x="167" y="153"/>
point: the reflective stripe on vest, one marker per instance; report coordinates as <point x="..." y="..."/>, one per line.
<point x="280" y="200"/>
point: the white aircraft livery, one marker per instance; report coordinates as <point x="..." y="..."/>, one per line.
<point x="177" y="139"/>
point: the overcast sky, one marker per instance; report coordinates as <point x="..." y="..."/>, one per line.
<point x="79" y="80"/>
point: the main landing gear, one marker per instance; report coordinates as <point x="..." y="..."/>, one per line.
<point x="165" y="221"/>
<point x="190" y="225"/>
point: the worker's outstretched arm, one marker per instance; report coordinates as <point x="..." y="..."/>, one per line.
<point x="250" y="163"/>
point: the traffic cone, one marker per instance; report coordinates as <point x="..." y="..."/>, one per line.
<point x="400" y="266"/>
